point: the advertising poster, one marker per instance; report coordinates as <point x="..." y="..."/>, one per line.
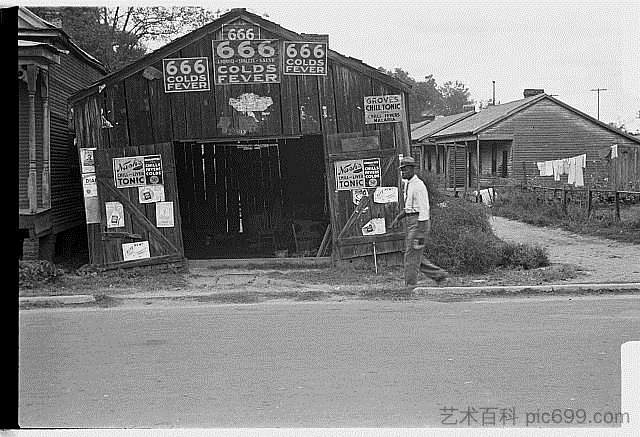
<point x="238" y="62"/>
<point x="383" y="109"/>
<point x="89" y="185"/>
<point x="183" y="75"/>
<point x="137" y="171"/>
<point x="115" y="214"/>
<point x="137" y="250"/>
<point x="92" y="210"/>
<point x="385" y="195"/>
<point x="305" y="58"/>
<point x="151" y="193"/>
<point x="374" y="226"/>
<point x="240" y="31"/>
<point x="87" y="163"/>
<point x="358" y="194"/>
<point x="357" y="174"/>
<point x="164" y="215"/>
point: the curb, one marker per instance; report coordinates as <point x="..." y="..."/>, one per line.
<point x="495" y="289"/>
<point x="63" y="300"/>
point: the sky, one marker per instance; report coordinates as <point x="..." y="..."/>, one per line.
<point x="565" y="47"/>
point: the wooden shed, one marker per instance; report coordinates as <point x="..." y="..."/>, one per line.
<point x="50" y="68"/>
<point x="502" y="144"/>
<point x="248" y="140"/>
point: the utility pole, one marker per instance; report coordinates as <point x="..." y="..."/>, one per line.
<point x="598" y="91"/>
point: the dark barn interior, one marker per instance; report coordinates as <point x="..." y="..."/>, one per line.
<point x="252" y="199"/>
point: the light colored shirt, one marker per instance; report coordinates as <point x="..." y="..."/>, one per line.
<point x="416" y="198"/>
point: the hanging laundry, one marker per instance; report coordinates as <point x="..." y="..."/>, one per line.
<point x="571" y="180"/>
<point x="548" y="168"/>
<point x="540" y="167"/>
<point x="565" y="165"/>
<point x="557" y="169"/>
<point x="581" y="164"/>
<point x="614" y="151"/>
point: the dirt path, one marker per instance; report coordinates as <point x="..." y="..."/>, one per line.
<point x="601" y="260"/>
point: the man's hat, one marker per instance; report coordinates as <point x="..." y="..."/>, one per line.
<point x="407" y="161"/>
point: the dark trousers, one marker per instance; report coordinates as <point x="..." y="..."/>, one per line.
<point x="414" y="258"/>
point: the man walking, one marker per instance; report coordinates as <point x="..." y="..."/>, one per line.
<point x="417" y="212"/>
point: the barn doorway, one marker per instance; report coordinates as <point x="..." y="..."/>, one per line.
<point x="253" y="199"/>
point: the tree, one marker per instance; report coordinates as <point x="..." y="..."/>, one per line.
<point x="118" y="36"/>
<point x="454" y="96"/>
<point x="427" y="99"/>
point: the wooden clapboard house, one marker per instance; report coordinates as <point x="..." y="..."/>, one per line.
<point x="501" y="144"/>
<point x="249" y="167"/>
<point x="50" y="68"/>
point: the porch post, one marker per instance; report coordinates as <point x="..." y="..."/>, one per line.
<point x="46" y="142"/>
<point x="467" y="170"/>
<point x="478" y="163"/>
<point x="32" y="183"/>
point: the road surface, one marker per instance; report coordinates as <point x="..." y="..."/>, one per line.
<point x="352" y="364"/>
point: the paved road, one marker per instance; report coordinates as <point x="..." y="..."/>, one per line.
<point x="353" y="364"/>
<point x="602" y="260"/>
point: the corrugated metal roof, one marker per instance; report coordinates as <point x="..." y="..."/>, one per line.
<point x="487" y="117"/>
<point x="421" y="131"/>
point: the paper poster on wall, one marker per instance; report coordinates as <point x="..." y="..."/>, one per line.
<point x="164" y="214"/>
<point x="357" y="174"/>
<point x="115" y="214"/>
<point x="151" y="193"/>
<point x="89" y="185"/>
<point x="92" y="210"/>
<point x="374" y="226"/>
<point x="358" y="194"/>
<point x="87" y="163"/>
<point x="137" y="250"/>
<point x="385" y="195"/>
<point x="383" y="109"/>
<point x="137" y="171"/>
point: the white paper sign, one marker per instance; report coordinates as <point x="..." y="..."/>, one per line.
<point x="383" y="109"/>
<point x="115" y="214"/>
<point x="89" y="185"/>
<point x="385" y="195"/>
<point x="151" y="193"/>
<point x="137" y="250"/>
<point x="358" y="194"/>
<point x="375" y="226"/>
<point x="87" y="163"/>
<point x="164" y="214"/>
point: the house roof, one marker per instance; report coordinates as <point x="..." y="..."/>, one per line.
<point x="422" y="131"/>
<point x="234" y="14"/>
<point x="31" y="26"/>
<point x="495" y="114"/>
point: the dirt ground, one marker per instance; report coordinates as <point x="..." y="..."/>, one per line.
<point x="574" y="259"/>
<point x="598" y="260"/>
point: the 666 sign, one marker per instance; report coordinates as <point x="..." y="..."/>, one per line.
<point x="305" y="58"/>
<point x="185" y="74"/>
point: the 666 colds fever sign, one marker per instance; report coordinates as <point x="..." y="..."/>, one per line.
<point x="185" y="74"/>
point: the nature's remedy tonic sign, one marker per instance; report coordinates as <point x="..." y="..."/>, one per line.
<point x="247" y="61"/>
<point x="305" y="58"/>
<point x="137" y="171"/>
<point x="383" y="109"/>
<point x="357" y="174"/>
<point x="185" y="74"/>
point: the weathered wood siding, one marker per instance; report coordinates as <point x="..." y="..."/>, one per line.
<point x="547" y="131"/>
<point x="67" y="207"/>
<point x="142" y="113"/>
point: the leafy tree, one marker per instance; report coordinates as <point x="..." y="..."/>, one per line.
<point x="118" y="36"/>
<point x="426" y="98"/>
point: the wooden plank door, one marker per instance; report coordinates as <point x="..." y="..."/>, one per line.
<point x="348" y="218"/>
<point x="140" y="221"/>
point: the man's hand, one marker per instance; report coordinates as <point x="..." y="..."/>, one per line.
<point x="394" y="223"/>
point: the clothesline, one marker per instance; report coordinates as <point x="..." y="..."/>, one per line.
<point x="574" y="167"/>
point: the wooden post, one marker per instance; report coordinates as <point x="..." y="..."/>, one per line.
<point x="617" y="205"/>
<point x="32" y="184"/>
<point x="478" y="164"/>
<point x="589" y="195"/>
<point x="564" y="200"/>
<point x="46" y="141"/>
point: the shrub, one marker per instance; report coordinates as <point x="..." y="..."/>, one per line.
<point x="522" y="255"/>
<point x="31" y="272"/>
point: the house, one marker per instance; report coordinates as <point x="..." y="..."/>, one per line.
<point x="50" y="68"/>
<point x="261" y="142"/>
<point x="502" y="144"/>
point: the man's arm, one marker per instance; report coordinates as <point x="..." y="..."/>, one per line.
<point x="399" y="217"/>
